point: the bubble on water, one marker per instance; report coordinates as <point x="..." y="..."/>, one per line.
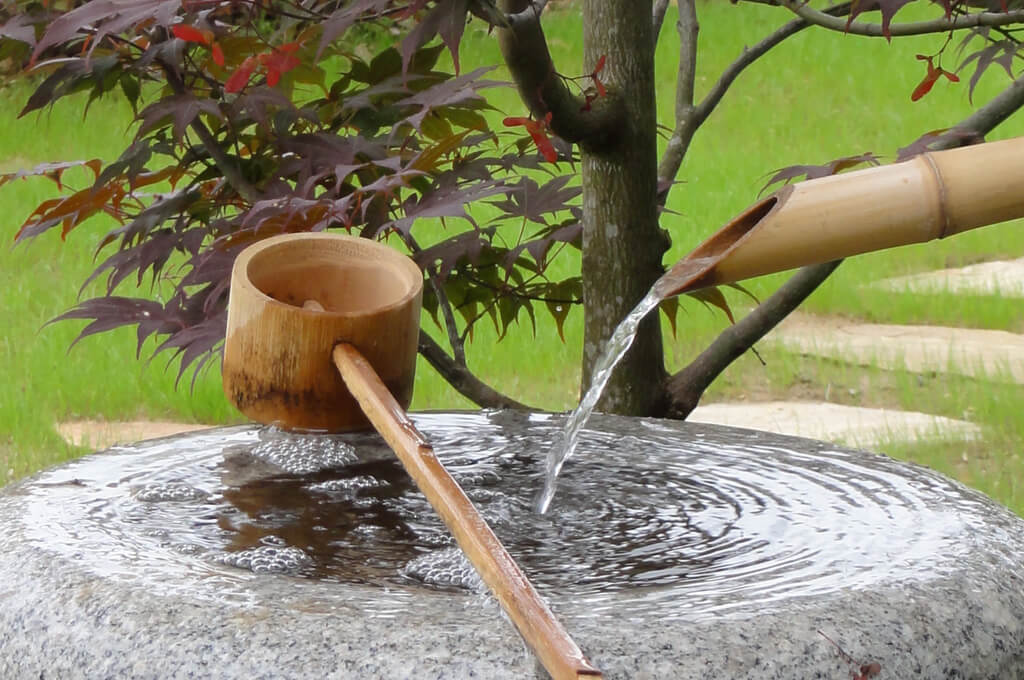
<point x="268" y="559"/>
<point x="446" y="568"/>
<point x="187" y="548"/>
<point x="347" y="485"/>
<point x="477" y="478"/>
<point x="302" y="454"/>
<point x="162" y="492"/>
<point x="274" y="541"/>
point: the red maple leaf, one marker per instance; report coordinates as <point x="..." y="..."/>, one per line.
<point x="279" y="62"/>
<point x="191" y="34"/>
<point x="218" y="54"/>
<point x="538" y="131"/>
<point x="203" y="37"/>
<point x="240" y="78"/>
<point x="933" y="74"/>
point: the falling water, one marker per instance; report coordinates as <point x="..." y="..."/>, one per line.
<point x="612" y="354"/>
<point x="686" y="271"/>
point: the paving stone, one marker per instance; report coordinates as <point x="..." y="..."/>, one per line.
<point x="996" y="355"/>
<point x="1004" y="277"/>
<point x="102" y="434"/>
<point x="853" y="425"/>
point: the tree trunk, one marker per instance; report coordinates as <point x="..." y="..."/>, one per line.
<point x="622" y="243"/>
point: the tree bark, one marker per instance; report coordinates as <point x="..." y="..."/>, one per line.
<point x="622" y="242"/>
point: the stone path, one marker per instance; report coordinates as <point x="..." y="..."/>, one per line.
<point x="995" y="355"/>
<point x="851" y="425"/>
<point x="1004" y="278"/>
<point x="102" y="434"/>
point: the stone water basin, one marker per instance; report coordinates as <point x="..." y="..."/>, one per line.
<point x="671" y="550"/>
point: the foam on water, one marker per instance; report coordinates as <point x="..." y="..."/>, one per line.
<point x="674" y="520"/>
<point x="445" y="568"/>
<point x="302" y="455"/>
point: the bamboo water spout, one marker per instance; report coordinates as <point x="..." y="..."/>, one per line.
<point x="931" y="196"/>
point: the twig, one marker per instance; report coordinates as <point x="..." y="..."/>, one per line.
<point x="451" y="328"/>
<point x="686" y="118"/>
<point x="232" y="173"/>
<point x="462" y="379"/>
<point x="942" y="25"/>
<point x="690" y="118"/>
<point x="660" y="8"/>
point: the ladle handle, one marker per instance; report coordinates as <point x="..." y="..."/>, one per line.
<point x="538" y="626"/>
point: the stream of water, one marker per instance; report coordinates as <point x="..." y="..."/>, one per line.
<point x="614" y="350"/>
<point x="610" y="357"/>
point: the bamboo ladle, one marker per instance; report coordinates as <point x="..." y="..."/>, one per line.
<point x="302" y="305"/>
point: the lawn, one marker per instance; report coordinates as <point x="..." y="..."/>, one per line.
<point x="817" y="97"/>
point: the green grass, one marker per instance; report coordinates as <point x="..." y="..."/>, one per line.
<point x="819" y="96"/>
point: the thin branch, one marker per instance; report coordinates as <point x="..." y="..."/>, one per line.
<point x="458" y="346"/>
<point x="544" y="91"/>
<point x="752" y="54"/>
<point x="686" y="122"/>
<point x="451" y="328"/>
<point x="942" y="25"/>
<point x="684" y="389"/>
<point x="989" y="116"/>
<point x="462" y="379"/>
<point x="232" y="173"/>
<point x="660" y="8"/>
<point x="692" y="118"/>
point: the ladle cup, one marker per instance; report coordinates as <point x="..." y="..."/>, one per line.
<point x="277" y="354"/>
<point x="322" y="335"/>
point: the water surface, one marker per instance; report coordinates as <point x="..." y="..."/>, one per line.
<point x="668" y="519"/>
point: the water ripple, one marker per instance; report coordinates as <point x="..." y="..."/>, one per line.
<point x="675" y="520"/>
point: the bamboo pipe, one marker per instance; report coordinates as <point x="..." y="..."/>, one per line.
<point x="930" y="196"/>
<point x="550" y="642"/>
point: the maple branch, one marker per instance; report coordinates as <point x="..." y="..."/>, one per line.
<point x="543" y="90"/>
<point x="443" y="302"/>
<point x="232" y="173"/>
<point x="660" y="8"/>
<point x="686" y="119"/>
<point x="942" y="25"/>
<point x="686" y="387"/>
<point x="462" y="379"/>
<point x="458" y="346"/>
<point x="985" y="119"/>
<point x="683" y="390"/>
<point x="531" y="12"/>
<point x="689" y="117"/>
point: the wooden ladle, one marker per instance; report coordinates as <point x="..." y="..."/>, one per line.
<point x="303" y="304"/>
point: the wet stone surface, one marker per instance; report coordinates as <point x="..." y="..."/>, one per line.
<point x="669" y="550"/>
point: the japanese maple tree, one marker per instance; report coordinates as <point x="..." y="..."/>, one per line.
<point x="260" y="117"/>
